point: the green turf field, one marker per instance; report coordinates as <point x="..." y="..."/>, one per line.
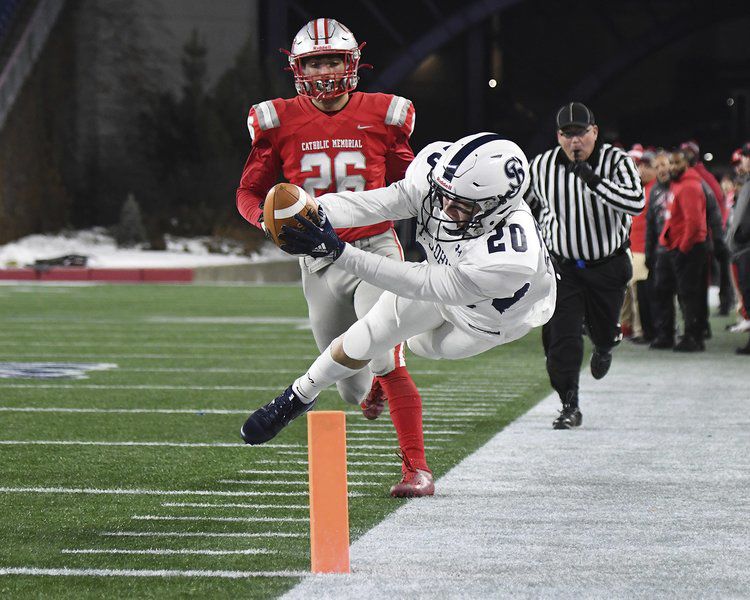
<point x="139" y="467"/>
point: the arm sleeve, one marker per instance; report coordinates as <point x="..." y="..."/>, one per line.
<point x="400" y="154"/>
<point x="354" y="209"/>
<point x="260" y="173"/>
<point x="623" y="190"/>
<point x="432" y="283"/>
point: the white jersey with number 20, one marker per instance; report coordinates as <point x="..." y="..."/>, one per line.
<point x="497" y="286"/>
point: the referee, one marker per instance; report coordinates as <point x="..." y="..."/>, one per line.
<point x="583" y="194"/>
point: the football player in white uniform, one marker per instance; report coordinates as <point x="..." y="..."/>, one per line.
<point x="488" y="278"/>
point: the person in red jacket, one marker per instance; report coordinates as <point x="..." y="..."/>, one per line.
<point x="684" y="235"/>
<point x="718" y="273"/>
<point x="332" y="138"/>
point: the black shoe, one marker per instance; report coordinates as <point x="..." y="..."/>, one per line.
<point x="601" y="360"/>
<point x="639" y="339"/>
<point x="744" y="349"/>
<point x="268" y="420"/>
<point x="689" y="344"/>
<point x="661" y="344"/>
<point x="568" y="418"/>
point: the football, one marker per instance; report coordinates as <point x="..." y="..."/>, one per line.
<point x="283" y="201"/>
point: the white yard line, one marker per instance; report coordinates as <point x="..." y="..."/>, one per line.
<point x="222" y="519"/>
<point x="145" y="492"/>
<point x="168" y="551"/>
<point x="308" y="358"/>
<point x="162" y="411"/>
<point x="304" y="472"/>
<point x="65" y="572"/>
<point x="245" y="447"/>
<point x="235" y="505"/>
<point x="208" y="534"/>
<point x="96" y="386"/>
<point x="288" y="482"/>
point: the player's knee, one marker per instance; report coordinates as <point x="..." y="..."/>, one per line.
<point x="357" y="342"/>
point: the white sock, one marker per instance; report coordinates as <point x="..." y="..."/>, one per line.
<point x="323" y="372"/>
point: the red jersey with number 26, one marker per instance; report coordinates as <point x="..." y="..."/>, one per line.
<point x="360" y="147"/>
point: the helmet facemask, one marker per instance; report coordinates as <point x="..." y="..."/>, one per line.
<point x="447" y="229"/>
<point x="328" y="85"/>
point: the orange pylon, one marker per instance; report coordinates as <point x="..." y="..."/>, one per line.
<point x="329" y="504"/>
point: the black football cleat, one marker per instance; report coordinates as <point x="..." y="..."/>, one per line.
<point x="601" y="360"/>
<point x="569" y="417"/>
<point x="266" y="422"/>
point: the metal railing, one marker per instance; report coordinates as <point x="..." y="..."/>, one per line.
<point x="25" y="53"/>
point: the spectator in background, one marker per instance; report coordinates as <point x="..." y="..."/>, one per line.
<point x="658" y="260"/>
<point x="729" y="188"/>
<point x="636" y="310"/>
<point x="684" y="235"/>
<point x="716" y="213"/>
<point x="738" y="240"/>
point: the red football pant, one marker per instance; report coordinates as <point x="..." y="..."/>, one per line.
<point x="405" y="405"/>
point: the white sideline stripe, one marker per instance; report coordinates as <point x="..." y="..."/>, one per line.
<point x="234" y="505"/>
<point x="287" y="482"/>
<point x="223" y="519"/>
<point x="66" y="572"/>
<point x="234" y="534"/>
<point x="166" y="551"/>
<point x="168" y="444"/>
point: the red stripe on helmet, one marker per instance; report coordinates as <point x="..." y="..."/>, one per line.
<point x="325" y="26"/>
<point x="316" y="30"/>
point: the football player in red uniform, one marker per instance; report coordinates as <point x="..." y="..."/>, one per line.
<point x="331" y="138"/>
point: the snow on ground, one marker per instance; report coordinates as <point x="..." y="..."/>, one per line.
<point x="102" y="252"/>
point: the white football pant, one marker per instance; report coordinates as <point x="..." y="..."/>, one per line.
<point x="420" y="323"/>
<point x="336" y="300"/>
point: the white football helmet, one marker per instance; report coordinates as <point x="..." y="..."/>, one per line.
<point x="486" y="175"/>
<point x="325" y="36"/>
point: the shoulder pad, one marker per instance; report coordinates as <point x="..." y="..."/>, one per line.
<point x="397" y="112"/>
<point x="262" y="117"/>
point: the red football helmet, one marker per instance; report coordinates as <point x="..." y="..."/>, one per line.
<point x="318" y="37"/>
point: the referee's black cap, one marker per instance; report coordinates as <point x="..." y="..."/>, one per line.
<point x="574" y="115"/>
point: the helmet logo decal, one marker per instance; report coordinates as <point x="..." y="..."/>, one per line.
<point x="516" y="175"/>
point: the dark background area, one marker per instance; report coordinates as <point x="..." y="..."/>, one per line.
<point x="117" y="106"/>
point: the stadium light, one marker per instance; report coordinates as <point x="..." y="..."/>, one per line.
<point x="708" y="157"/>
<point x="492" y="83"/>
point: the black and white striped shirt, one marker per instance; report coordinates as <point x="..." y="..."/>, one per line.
<point x="582" y="222"/>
